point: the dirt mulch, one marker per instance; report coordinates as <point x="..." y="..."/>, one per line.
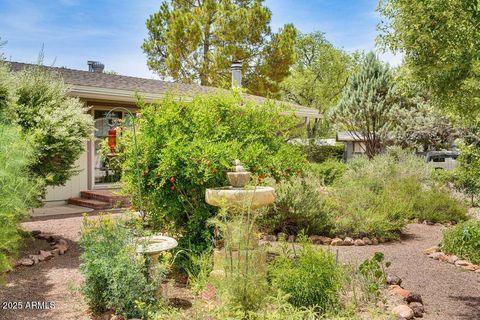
<point x="448" y="292"/>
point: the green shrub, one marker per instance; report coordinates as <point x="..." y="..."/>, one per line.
<point x="312" y="279"/>
<point x="56" y="122"/>
<point x="329" y="171"/>
<point x="114" y="273"/>
<point x="188" y="146"/>
<point x="378" y="197"/>
<point x="319" y="154"/>
<point x="298" y="206"/>
<point x="463" y="240"/>
<point x="17" y="190"/>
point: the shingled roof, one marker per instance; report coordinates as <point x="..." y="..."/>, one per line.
<point x="111" y="85"/>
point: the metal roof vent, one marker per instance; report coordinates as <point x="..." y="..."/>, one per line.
<point x="95" y="66"/>
<point x="236" y="74"/>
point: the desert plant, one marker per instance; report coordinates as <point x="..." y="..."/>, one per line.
<point x="378" y="197"/>
<point x="328" y="172"/>
<point x="311" y="279"/>
<point x="298" y="206"/>
<point x="17" y="190"/>
<point x="198" y="270"/>
<point x="463" y="240"/>
<point x="188" y="146"/>
<point x="114" y="273"/>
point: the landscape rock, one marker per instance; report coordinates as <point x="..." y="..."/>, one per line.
<point x="443" y="258"/>
<point x="453" y="259"/>
<point x="55" y="252"/>
<point x="394" y="280"/>
<point x="374" y="241"/>
<point x="62" y="242"/>
<point x="417" y="308"/>
<point x="26" y="262"/>
<point x="382" y="240"/>
<point x="367" y="241"/>
<point x="337" y="242"/>
<point x="470" y="267"/>
<point x="45" y="255"/>
<point x="326" y="240"/>
<point x="436" y="255"/>
<point x="35" y="258"/>
<point x="316" y="239"/>
<point x="348" y="241"/>
<point x="270" y="237"/>
<point x="61" y="248"/>
<point x="430" y="223"/>
<point x="400" y="291"/>
<point x="432" y="250"/>
<point x="359" y="242"/>
<point x="403" y="312"/>
<point x="477" y="271"/>
<point x="414" y="297"/>
<point x="291" y="238"/>
<point x="462" y="263"/>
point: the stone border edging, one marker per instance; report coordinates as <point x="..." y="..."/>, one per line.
<point x="58" y="247"/>
<point x="316" y="239"/>
<point x="414" y="306"/>
<point x="436" y="253"/>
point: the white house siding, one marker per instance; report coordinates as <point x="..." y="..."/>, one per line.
<point x="73" y="186"/>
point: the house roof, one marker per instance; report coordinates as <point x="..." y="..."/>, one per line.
<point x="96" y="85"/>
<point x="349" y="136"/>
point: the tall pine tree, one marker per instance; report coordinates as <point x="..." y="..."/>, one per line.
<point x="368" y="105"/>
<point x="196" y="42"/>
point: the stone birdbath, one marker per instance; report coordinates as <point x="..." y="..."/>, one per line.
<point x="152" y="247"/>
<point x="236" y="195"/>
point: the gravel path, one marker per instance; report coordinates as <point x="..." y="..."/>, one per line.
<point x="448" y="292"/>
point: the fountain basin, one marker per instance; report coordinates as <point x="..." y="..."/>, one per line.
<point x="240" y="197"/>
<point x="153" y="245"/>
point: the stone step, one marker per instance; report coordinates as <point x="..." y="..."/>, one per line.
<point x="90" y="203"/>
<point x="110" y="196"/>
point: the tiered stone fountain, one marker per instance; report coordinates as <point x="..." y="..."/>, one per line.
<point x="238" y="197"/>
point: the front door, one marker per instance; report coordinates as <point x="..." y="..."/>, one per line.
<point x="106" y="174"/>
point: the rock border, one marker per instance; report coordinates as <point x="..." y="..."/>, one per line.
<point x="436" y="253"/>
<point x="58" y="247"/>
<point x="413" y="308"/>
<point x="322" y="240"/>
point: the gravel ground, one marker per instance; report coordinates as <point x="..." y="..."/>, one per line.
<point x="448" y="292"/>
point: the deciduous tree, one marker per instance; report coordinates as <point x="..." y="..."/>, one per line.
<point x="441" y="43"/>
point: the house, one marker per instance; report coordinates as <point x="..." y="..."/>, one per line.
<point x="354" y="144"/>
<point x="109" y="97"/>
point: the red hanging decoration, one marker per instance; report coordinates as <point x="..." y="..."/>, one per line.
<point x="112" y="139"/>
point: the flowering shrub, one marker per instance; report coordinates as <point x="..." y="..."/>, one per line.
<point x="188" y="146"/>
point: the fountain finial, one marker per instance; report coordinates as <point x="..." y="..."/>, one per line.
<point x="238" y="166"/>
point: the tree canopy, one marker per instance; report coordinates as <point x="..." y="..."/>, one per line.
<point x="319" y="74"/>
<point x="196" y="42"/>
<point x="441" y="44"/>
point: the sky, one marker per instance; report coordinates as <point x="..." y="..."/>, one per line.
<point x="112" y="31"/>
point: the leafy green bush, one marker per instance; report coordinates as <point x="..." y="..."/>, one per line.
<point x="188" y="146"/>
<point x="298" y="206"/>
<point x="114" y="273"/>
<point x="319" y="154"/>
<point x="463" y="240"/>
<point x="467" y="174"/>
<point x="377" y="197"/>
<point x="17" y="190"/>
<point x="56" y="122"/>
<point x="329" y="171"/>
<point x="313" y="279"/>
